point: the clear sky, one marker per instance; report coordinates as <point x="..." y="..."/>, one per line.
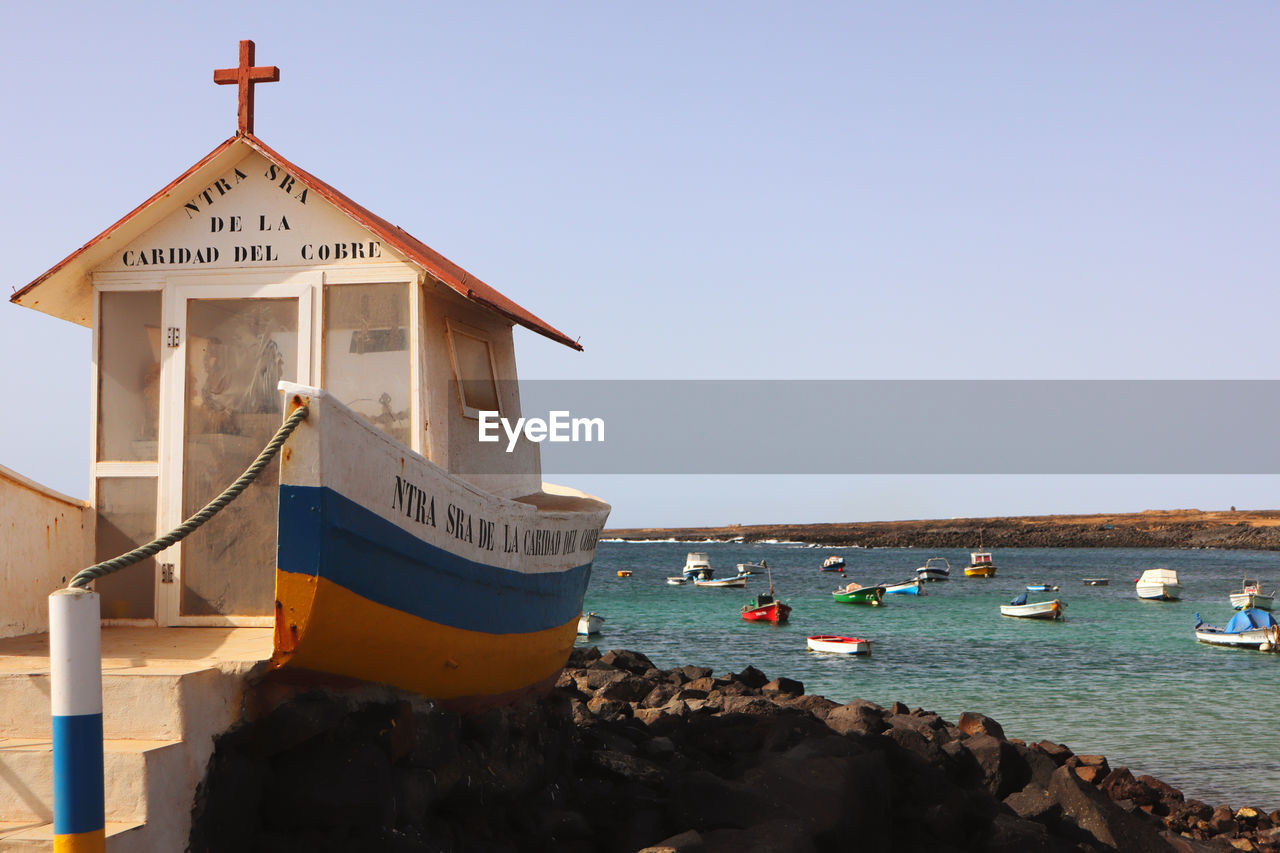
<point x="715" y="190"/>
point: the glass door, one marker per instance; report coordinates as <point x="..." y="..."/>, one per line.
<point x="235" y="350"/>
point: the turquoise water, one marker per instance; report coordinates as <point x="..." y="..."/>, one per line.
<point x="1121" y="677"/>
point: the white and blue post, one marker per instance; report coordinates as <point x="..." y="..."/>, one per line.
<point x="75" y="667"/>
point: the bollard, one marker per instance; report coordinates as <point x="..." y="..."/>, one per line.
<point x="75" y="669"/>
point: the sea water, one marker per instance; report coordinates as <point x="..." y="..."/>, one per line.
<point x="1121" y="677"/>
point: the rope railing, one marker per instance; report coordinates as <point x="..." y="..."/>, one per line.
<point x="84" y="577"/>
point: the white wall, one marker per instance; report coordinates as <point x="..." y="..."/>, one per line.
<point x="45" y="538"/>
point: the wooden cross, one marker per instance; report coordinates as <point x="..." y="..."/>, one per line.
<point x="245" y="76"/>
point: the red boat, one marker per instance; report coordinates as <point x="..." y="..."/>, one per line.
<point x="766" y="608"/>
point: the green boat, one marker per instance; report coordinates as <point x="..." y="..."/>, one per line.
<point x="857" y="594"/>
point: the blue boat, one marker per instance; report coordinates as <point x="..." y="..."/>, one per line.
<point x="911" y="587"/>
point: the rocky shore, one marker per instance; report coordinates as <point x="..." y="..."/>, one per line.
<point x="623" y="756"/>
<point x="1245" y="529"/>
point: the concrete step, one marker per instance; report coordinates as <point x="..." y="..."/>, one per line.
<point x="122" y="837"/>
<point x="150" y="704"/>
<point x="129" y="767"/>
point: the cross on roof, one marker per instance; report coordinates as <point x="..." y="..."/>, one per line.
<point x="245" y="76"/>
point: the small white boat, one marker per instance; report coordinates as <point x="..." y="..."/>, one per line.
<point x="834" y="563"/>
<point x="1042" y="587"/>
<point x="934" y="569"/>
<point x="1035" y="610"/>
<point x="1252" y="629"/>
<point x="589" y="623"/>
<point x="1096" y="581"/>
<point x="1159" y="585"/>
<point x="737" y="582"/>
<point x="697" y="565"/>
<point x="912" y="587"/>
<point x="839" y="645"/>
<point x="752" y="568"/>
<point x="677" y="580"/>
<point x="1252" y="596"/>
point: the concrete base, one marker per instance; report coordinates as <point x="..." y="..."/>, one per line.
<point x="167" y="692"/>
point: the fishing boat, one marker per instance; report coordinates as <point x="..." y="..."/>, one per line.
<point x="765" y="607"/>
<point x="735" y="582"/>
<point x="1021" y="608"/>
<point x="380" y="548"/>
<point x="589" y="623"/>
<point x="1042" y="587"/>
<point x="624" y="573"/>
<point x="1159" y="585"/>
<point x="1252" y="596"/>
<point x="1252" y="628"/>
<point x="911" y="587"/>
<point x="856" y="593"/>
<point x="697" y="565"/>
<point x="980" y="564"/>
<point x="752" y="568"/>
<point x="677" y="580"/>
<point x="834" y="563"/>
<point x="839" y="645"/>
<point x="1097" y="581"/>
<point x="934" y="569"/>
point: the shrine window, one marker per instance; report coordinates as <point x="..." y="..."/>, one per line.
<point x="129" y="346"/>
<point x="473" y="367"/>
<point x="367" y="353"/>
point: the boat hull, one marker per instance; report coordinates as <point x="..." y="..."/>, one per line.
<point x="872" y="595"/>
<point x="738" y="582"/>
<point x="1048" y="610"/>
<point x="839" y="645"/>
<point x="1159" y="592"/>
<point x="980" y="572"/>
<point x="1258" y="638"/>
<point x="1255" y="600"/>
<point x="932" y="575"/>
<point x="589" y="623"/>
<point x="910" y="588"/>
<point x="390" y="569"/>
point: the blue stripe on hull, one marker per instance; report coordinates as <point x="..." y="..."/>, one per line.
<point x="77" y="774"/>
<point x="325" y="534"/>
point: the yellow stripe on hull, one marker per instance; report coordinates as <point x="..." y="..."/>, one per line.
<point x="94" y="841"/>
<point x="324" y="627"/>
<point x="980" y="573"/>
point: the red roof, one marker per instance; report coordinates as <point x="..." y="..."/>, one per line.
<point x="68" y="290"/>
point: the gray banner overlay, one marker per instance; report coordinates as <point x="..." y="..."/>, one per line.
<point x="913" y="426"/>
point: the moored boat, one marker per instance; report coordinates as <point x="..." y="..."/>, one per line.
<point x="752" y="568"/>
<point x="677" y="580"/>
<point x="589" y="623"/>
<point x="765" y="607"/>
<point x="911" y="587"/>
<point x="697" y="565"/>
<point x="980" y="565"/>
<point x="1023" y="609"/>
<point x="934" y="569"/>
<point x="834" y="563"/>
<point x="1097" y="581"/>
<point x="1159" y="585"/>
<point x="1252" y="628"/>
<point x="1042" y="587"/>
<point x="839" y="645"/>
<point x="1252" y="596"/>
<point x="735" y="582"/>
<point x="856" y="593"/>
<point x="624" y="573"/>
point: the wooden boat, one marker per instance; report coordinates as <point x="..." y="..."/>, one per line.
<point x="766" y="608"/>
<point x="589" y="623"/>
<point x="393" y="569"/>
<point x="697" y="565"/>
<point x="980" y="565"/>
<point x="735" y="582"/>
<point x="934" y="569"/>
<point x="1252" y="596"/>
<point x="624" y="573"/>
<point x="1042" y="587"/>
<point x="839" y="645"/>
<point x="1159" y="585"/>
<point x="677" y="580"/>
<point x="911" y="587"/>
<point x="834" y="563"/>
<point x="1020" y="608"/>
<point x="855" y="593"/>
<point x="1252" y="628"/>
<point x="1097" y="581"/>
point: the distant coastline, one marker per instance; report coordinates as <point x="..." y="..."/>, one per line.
<point x="1178" y="528"/>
